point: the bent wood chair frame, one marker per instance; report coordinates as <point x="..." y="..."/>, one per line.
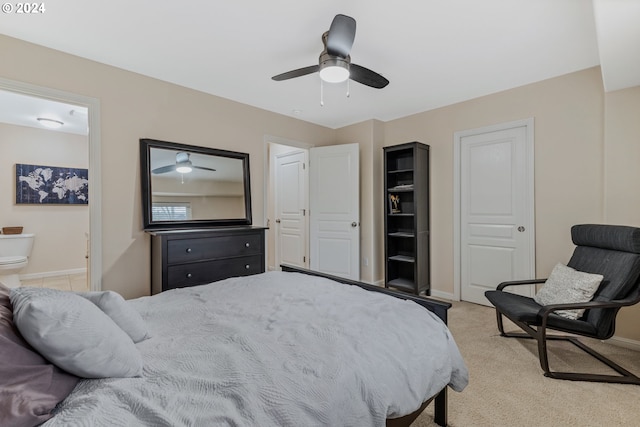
<point x="539" y="333"/>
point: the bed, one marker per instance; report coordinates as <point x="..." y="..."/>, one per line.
<point x="290" y="348"/>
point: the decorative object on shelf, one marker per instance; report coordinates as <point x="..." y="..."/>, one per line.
<point x="402" y="187"/>
<point x="394" y="206"/>
<point x="406" y="225"/>
<point x="11" y="230"/>
<point x="51" y="185"/>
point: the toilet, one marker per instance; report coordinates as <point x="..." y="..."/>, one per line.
<point x="15" y="250"/>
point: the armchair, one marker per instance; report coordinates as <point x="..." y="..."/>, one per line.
<point x="610" y="250"/>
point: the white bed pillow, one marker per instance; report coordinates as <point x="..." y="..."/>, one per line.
<point x="74" y="334"/>
<point x="566" y="285"/>
<point x="125" y="316"/>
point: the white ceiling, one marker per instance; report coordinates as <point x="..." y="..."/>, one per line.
<point x="24" y="110"/>
<point x="434" y="52"/>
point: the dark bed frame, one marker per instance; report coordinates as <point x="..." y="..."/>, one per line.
<point x="438" y="307"/>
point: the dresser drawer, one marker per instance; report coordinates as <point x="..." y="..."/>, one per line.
<point x="198" y="273"/>
<point x="206" y="248"/>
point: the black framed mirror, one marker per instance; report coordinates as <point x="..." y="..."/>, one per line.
<point x="185" y="186"/>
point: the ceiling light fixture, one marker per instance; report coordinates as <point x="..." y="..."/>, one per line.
<point x="50" y="123"/>
<point x="184" y="167"/>
<point x="334" y="70"/>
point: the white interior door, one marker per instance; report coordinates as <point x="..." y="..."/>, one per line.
<point x="496" y="235"/>
<point x="335" y="210"/>
<point x="291" y="216"/>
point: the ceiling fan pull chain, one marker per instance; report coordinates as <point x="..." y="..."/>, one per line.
<point x="321" y="94"/>
<point x="348" y="88"/>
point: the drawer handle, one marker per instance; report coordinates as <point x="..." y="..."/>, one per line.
<point x="188" y="250"/>
<point x="189" y="275"/>
<point x="246" y="245"/>
<point x="247" y="266"/>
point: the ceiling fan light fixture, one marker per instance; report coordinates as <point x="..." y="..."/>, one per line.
<point x="50" y="123"/>
<point x="334" y="70"/>
<point x="184" y="167"/>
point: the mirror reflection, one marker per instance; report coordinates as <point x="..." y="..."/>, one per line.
<point x="194" y="185"/>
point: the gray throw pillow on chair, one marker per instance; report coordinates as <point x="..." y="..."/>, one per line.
<point x="566" y="285"/>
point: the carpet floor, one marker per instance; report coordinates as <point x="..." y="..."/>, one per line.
<point x="507" y="387"/>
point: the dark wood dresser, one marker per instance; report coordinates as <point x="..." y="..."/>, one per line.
<point x="189" y="257"/>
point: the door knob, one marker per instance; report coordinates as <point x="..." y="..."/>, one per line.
<point x="354" y="224"/>
<point x="278" y="220"/>
<point x="521" y="229"/>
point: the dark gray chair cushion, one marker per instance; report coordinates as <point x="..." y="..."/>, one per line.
<point x="616" y="237"/>
<point x="614" y="252"/>
<point x="526" y="310"/>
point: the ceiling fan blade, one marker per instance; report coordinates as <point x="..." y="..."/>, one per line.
<point x="342" y="33"/>
<point x="367" y="77"/>
<point x="164" y="169"/>
<point x="296" y="73"/>
<point x="204" y="168"/>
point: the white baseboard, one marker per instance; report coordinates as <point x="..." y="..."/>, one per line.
<point x="53" y="274"/>
<point x="444" y="295"/>
<point x="624" y="342"/>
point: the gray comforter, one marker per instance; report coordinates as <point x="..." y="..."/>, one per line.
<point x="275" y="349"/>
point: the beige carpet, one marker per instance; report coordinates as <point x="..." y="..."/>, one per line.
<point x="507" y="387"/>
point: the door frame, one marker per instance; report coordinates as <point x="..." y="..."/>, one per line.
<point x="95" y="173"/>
<point x="529" y="221"/>
<point x="266" y="182"/>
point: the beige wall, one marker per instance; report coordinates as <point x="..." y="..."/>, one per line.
<point x="587" y="152"/>
<point x="581" y="139"/>
<point x="568" y="114"/>
<point x="209" y="199"/>
<point x="133" y="107"/>
<point x="622" y="178"/>
<point x="209" y="207"/>
<point x="60" y="243"/>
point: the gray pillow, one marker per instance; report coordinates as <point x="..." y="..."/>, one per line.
<point x="74" y="334"/>
<point x="125" y="316"/>
<point x="30" y="386"/>
<point x="566" y="285"/>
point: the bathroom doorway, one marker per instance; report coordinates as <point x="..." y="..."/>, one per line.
<point x="67" y="235"/>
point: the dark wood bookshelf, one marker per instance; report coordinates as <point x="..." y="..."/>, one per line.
<point x="406" y="225"/>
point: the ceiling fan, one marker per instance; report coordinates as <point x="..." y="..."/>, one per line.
<point x="183" y="165"/>
<point x="335" y="62"/>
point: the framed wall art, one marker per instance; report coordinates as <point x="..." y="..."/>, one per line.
<point x="51" y="185"/>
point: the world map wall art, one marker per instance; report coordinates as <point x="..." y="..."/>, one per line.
<point x="51" y="185"/>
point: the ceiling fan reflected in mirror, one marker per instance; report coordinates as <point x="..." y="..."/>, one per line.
<point x="335" y="61"/>
<point x="183" y="165"/>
